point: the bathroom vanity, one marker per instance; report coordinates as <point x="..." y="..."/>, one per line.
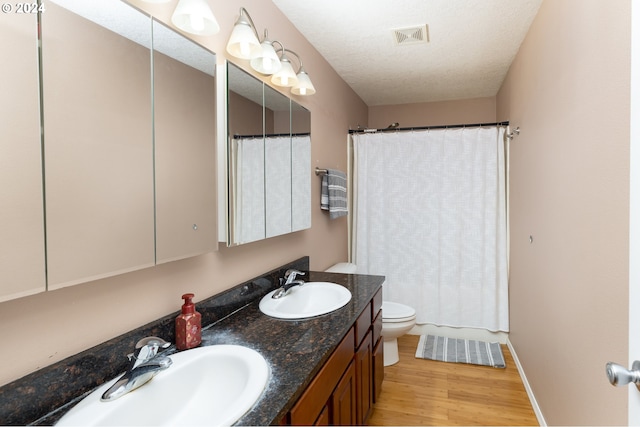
<point x="344" y="390"/>
<point x="327" y="362"/>
<point x="326" y="369"/>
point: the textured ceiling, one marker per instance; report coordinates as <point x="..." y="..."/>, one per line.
<point x="471" y="45"/>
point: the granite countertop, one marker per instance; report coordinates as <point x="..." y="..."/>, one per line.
<point x="294" y="349"/>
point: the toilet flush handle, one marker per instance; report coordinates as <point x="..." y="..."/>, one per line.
<point x="619" y="375"/>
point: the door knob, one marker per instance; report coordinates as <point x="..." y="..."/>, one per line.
<point x="619" y="375"/>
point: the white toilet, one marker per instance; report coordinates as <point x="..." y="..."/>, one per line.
<point x="397" y="319"/>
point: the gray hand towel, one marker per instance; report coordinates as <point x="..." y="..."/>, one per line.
<point x="333" y="197"/>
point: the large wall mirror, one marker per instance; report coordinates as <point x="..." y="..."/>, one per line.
<point x="269" y="158"/>
<point x="277" y="162"/>
<point x="98" y="140"/>
<point x="184" y="99"/>
<point x="123" y="183"/>
<point x="300" y="164"/>
<point x="22" y="261"/>
<point x="246" y="217"/>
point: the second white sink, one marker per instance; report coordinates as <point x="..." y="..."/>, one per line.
<point x="309" y="300"/>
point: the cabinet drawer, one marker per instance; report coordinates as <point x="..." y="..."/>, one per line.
<point x="315" y="397"/>
<point x="377" y="304"/>
<point x="362" y="325"/>
<point x="377" y="327"/>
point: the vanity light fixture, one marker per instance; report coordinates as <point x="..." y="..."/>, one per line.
<point x="286" y="77"/>
<point x="195" y="17"/>
<point x="244" y="43"/>
<point x="266" y="61"/>
<point x="300" y="82"/>
<point x="303" y="86"/>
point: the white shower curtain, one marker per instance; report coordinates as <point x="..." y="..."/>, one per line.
<point x="430" y="215"/>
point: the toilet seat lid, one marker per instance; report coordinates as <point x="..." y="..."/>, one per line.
<point x="394" y="311"/>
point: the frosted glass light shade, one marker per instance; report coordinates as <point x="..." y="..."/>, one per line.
<point x="243" y="43"/>
<point x="304" y="86"/>
<point x="266" y="61"/>
<point x="286" y="77"/>
<point x="195" y="17"/>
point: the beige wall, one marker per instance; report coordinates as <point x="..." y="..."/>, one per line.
<point x="48" y="327"/>
<point x="477" y="110"/>
<point x="568" y="91"/>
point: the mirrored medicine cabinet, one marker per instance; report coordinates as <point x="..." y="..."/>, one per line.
<point x="110" y="143"/>
<point x="269" y="161"/>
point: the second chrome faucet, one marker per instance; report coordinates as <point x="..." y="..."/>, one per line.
<point x="289" y="282"/>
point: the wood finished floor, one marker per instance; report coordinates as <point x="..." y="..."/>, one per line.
<point x="418" y="392"/>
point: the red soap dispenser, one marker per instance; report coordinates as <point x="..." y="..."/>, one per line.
<point x="188" y="325"/>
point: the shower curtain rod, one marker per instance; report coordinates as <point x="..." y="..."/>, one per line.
<point x="270" y="134"/>
<point x="395" y="129"/>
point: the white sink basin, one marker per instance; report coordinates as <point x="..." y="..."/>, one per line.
<point x="213" y="385"/>
<point x="309" y="300"/>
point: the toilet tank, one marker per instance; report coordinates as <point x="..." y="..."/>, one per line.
<point x="343" y="267"/>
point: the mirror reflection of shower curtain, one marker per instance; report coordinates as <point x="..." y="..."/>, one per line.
<point x="300" y="182"/>
<point x="249" y="194"/>
<point x="271" y="181"/>
<point x="277" y="159"/>
<point x="430" y="215"/>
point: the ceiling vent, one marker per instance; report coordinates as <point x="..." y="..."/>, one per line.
<point x="412" y="35"/>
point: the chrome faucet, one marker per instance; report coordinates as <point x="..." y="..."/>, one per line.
<point x="145" y="363"/>
<point x="289" y="282"/>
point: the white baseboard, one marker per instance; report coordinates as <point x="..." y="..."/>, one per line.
<point x="532" y="398"/>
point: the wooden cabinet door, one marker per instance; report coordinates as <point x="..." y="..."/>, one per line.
<point x="22" y="262"/>
<point x="343" y="399"/>
<point x="364" y="370"/>
<point x="314" y="399"/>
<point x="378" y="369"/>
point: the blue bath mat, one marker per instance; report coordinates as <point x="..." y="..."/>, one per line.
<point x="445" y="349"/>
